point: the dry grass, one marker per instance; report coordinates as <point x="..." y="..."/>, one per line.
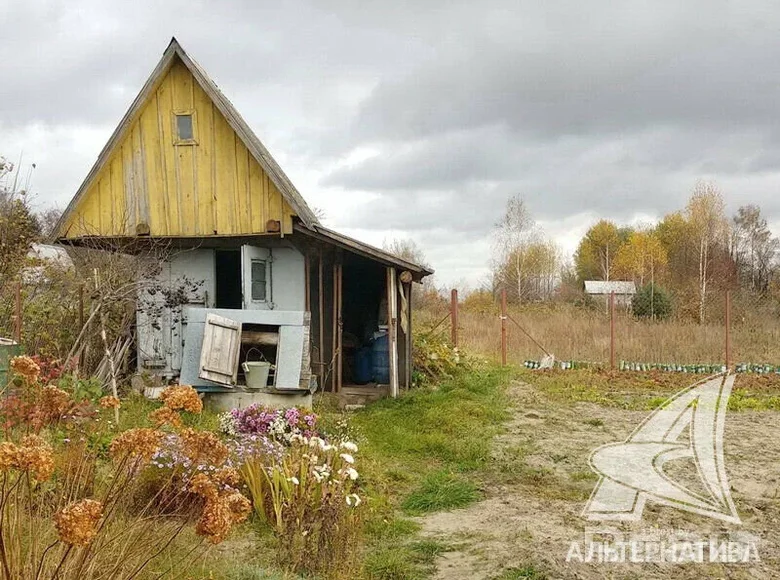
<point x="573" y="333"/>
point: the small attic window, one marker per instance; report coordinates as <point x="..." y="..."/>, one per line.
<point x="184" y="128"/>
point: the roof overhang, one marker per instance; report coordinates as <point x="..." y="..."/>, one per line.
<point x="326" y="235"/>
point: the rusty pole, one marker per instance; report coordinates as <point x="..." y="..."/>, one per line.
<point x="454" y="316"/>
<point x="18" y="313"/>
<point x="728" y="329"/>
<point x="612" y="331"/>
<point x="503" y="327"/>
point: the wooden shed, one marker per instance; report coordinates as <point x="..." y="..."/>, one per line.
<point x="184" y="168"/>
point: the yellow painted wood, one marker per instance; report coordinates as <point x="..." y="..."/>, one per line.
<point x="213" y="187"/>
<point x="203" y="161"/>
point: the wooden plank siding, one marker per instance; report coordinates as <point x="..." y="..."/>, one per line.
<point x="213" y="187"/>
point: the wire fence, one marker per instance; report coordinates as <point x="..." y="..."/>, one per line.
<point x="566" y="336"/>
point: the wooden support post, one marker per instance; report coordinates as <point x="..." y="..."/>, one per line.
<point x="503" y="327"/>
<point x="612" y="331"/>
<point x="392" y="330"/>
<point x="307" y="281"/>
<point x="409" y="360"/>
<point x="454" y="316"/>
<point x="321" y="329"/>
<point x="18" y="313"/>
<point x="334" y="335"/>
<point x="728" y="330"/>
<point x="340" y="330"/>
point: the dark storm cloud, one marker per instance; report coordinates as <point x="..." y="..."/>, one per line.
<point x="598" y="67"/>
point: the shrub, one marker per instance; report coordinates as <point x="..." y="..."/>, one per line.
<point x="480" y="302"/>
<point x="310" y="499"/>
<point x="278" y="424"/>
<point x="67" y="496"/>
<point x="435" y="359"/>
<point x="653" y="302"/>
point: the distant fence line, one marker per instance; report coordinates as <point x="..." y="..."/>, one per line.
<point x="509" y="325"/>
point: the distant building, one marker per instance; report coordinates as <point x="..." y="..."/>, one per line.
<point x="600" y="290"/>
<point x="42" y="256"/>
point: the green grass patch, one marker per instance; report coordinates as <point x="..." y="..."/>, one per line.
<point x="647" y="391"/>
<point x="446" y="427"/>
<point x="135" y="410"/>
<point x="594" y="422"/>
<point x="410" y="561"/>
<point x="528" y="572"/>
<point x="440" y="491"/>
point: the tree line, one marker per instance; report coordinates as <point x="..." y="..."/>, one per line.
<point x="689" y="255"/>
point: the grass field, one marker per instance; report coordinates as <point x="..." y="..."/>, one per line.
<point x="572" y="333"/>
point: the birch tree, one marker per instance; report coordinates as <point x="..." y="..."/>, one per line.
<point x="641" y="258"/>
<point x="595" y="256"/>
<point x="753" y="248"/>
<point x="513" y="235"/>
<point x="706" y="214"/>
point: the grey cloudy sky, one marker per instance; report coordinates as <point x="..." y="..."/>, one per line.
<point x="419" y="118"/>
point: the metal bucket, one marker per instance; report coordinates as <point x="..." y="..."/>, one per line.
<point x="256" y="373"/>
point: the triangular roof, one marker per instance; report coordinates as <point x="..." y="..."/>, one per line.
<point x="233" y="117"/>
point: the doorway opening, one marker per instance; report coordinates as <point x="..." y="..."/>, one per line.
<point x="228" y="279"/>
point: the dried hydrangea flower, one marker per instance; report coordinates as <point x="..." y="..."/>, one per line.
<point x="182" y="398"/>
<point x="77" y="522"/>
<point x="26" y="367"/>
<point x="166" y="415"/>
<point x="139" y="442"/>
<point x="204" y="446"/>
<point x="36" y="456"/>
<point x="239" y="506"/>
<point x="219" y="515"/>
<point x="9" y="455"/>
<point x="110" y="402"/>
<point x="54" y="402"/>
<point x="202" y="485"/>
<point x="215" y="522"/>
<point x="227" y="477"/>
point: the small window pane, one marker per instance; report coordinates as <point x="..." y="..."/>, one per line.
<point x="258" y="280"/>
<point x="184" y="127"/>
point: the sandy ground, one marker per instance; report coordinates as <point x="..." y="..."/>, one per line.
<point x="532" y="507"/>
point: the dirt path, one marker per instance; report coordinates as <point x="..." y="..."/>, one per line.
<point x="532" y="506"/>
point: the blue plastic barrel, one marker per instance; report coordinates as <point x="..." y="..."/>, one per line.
<point x="381" y="356"/>
<point x="363" y="369"/>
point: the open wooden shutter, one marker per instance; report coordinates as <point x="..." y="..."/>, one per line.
<point x="221" y="347"/>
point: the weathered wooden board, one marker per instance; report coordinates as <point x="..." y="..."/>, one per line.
<point x="220" y="351"/>
<point x="289" y="356"/>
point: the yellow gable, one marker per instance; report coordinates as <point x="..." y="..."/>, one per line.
<point x="150" y="181"/>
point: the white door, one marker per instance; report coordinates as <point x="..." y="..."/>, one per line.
<point x="220" y="351"/>
<point x="256" y="273"/>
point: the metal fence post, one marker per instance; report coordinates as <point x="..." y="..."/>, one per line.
<point x="728" y="329"/>
<point x="612" y="331"/>
<point x="503" y="327"/>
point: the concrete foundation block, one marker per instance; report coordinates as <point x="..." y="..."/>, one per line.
<point x="238" y="399"/>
